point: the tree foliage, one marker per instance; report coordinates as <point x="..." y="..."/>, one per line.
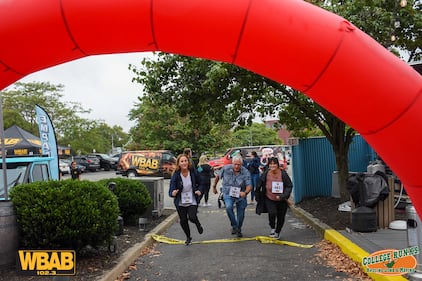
<point x="83" y="135"/>
<point x="20" y="100"/>
<point x="87" y="136"/>
<point x="196" y="87"/>
<point x="395" y="24"/>
<point x="255" y="134"/>
<point x="160" y="126"/>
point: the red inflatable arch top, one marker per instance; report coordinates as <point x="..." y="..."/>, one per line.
<point x="291" y="41"/>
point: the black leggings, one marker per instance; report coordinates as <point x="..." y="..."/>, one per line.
<point x="276" y="213"/>
<point x="187" y="214"/>
<point x="206" y="193"/>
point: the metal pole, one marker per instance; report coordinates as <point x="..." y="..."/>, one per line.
<point x="3" y="150"/>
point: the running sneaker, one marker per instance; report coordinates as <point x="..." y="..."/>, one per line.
<point x="200" y="229"/>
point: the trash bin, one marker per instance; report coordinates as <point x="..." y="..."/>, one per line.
<point x="414" y="238"/>
<point x="364" y="219"/>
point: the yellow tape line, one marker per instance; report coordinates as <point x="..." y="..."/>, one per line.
<point x="262" y="239"/>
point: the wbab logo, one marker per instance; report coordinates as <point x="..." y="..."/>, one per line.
<point x="392" y="262"/>
<point x="47" y="262"/>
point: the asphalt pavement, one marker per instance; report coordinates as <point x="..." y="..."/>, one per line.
<point x="224" y="257"/>
<point x="217" y="255"/>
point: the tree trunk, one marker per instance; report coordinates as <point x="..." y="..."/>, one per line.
<point x="343" y="173"/>
<point x="340" y="138"/>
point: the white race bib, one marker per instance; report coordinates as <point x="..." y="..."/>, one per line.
<point x="277" y="187"/>
<point x="187" y="197"/>
<point x="234" y="191"/>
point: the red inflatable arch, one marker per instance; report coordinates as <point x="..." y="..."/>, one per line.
<point x="292" y="42"/>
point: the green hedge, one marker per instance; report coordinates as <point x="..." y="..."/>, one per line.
<point x="65" y="214"/>
<point x="133" y="196"/>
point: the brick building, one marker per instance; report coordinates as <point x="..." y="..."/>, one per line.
<point x="283" y="134"/>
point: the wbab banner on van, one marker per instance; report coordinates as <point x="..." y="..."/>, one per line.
<point x="392" y="262"/>
<point x="47" y="262"/>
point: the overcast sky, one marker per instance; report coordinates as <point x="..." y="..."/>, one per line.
<point x="101" y="83"/>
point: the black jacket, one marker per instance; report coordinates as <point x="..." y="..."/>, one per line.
<point x="205" y="174"/>
<point x="177" y="183"/>
<point x="261" y="190"/>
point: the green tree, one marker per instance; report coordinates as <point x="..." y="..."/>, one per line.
<point x="395" y="24"/>
<point x="21" y="99"/>
<point x="160" y="126"/>
<point x="82" y="134"/>
<point x="86" y="136"/>
<point x="226" y="92"/>
<point x="255" y="134"/>
<point x="12" y="117"/>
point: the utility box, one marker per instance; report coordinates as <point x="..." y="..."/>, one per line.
<point x="155" y="186"/>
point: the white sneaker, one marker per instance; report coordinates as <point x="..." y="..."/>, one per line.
<point x="272" y="233"/>
<point x="204" y="204"/>
<point x="208" y="204"/>
<point x="277" y="235"/>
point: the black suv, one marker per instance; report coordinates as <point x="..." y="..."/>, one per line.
<point x="91" y="162"/>
<point x="106" y="162"/>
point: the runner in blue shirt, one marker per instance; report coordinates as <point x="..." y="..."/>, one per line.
<point x="236" y="186"/>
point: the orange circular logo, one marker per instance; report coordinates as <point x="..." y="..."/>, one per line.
<point x="391" y="261"/>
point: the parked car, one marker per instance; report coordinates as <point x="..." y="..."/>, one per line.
<point x="116" y="158"/>
<point x="78" y="166"/>
<point x="90" y="162"/>
<point x="64" y="167"/>
<point x="106" y="162"/>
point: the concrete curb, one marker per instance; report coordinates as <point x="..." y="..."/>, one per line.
<point x="352" y="250"/>
<point x="134" y="252"/>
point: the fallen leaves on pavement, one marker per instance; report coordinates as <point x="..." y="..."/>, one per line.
<point x="331" y="255"/>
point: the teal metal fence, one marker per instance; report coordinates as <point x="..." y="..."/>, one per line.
<point x="313" y="164"/>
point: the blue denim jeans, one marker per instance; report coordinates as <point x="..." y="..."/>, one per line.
<point x="254" y="179"/>
<point x="241" y="204"/>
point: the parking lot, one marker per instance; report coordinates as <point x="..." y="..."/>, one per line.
<point x="168" y="202"/>
<point x="94" y="176"/>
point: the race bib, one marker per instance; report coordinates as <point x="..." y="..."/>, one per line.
<point x="234" y="191"/>
<point x="277" y="187"/>
<point x="187" y="197"/>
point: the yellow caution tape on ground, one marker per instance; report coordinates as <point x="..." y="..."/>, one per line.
<point x="262" y="239"/>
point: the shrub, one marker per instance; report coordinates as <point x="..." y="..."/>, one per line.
<point x="133" y="196"/>
<point x="65" y="214"/>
